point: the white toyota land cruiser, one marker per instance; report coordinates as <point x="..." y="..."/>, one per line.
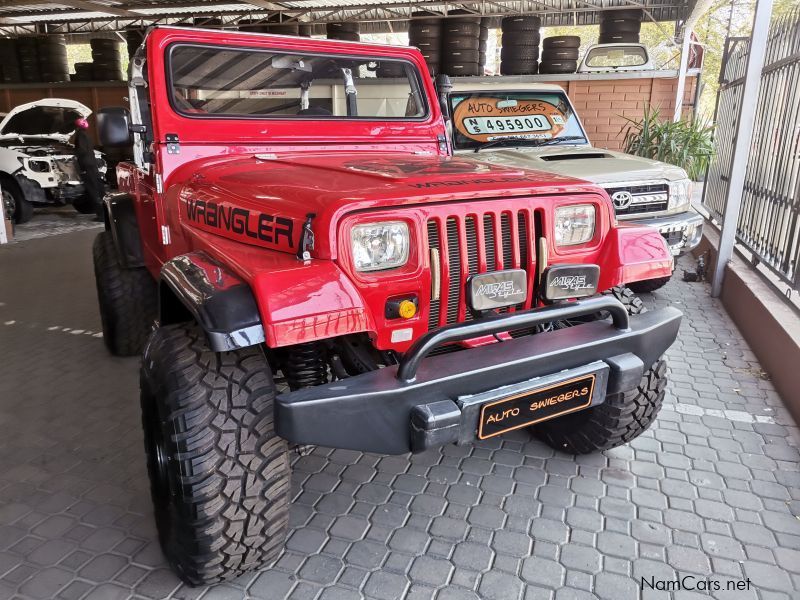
<point x="534" y="125"/>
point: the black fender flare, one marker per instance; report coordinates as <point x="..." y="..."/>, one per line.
<point x="120" y="218"/>
<point x="218" y="300"/>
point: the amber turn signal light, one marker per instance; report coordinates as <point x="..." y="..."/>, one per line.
<point x="401" y="308"/>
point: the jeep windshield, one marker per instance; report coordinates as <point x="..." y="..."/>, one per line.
<point x="216" y="82"/>
<point x="510" y="118"/>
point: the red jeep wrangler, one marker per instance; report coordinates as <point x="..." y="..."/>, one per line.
<point x="320" y="271"/>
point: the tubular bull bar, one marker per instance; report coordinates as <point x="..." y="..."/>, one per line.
<point x="427" y="402"/>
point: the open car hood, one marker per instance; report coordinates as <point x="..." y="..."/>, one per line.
<point x="47" y="118"/>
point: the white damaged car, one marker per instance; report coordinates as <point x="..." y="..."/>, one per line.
<point x="37" y="160"/>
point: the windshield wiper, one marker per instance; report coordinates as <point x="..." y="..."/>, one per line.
<point x="532" y="141"/>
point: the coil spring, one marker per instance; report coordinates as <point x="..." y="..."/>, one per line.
<point x="306" y="366"/>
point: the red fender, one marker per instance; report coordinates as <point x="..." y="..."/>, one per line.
<point x="633" y="253"/>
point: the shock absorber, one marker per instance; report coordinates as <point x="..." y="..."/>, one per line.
<point x="306" y="365"/>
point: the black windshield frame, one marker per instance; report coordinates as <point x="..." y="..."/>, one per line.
<point x="415" y="85"/>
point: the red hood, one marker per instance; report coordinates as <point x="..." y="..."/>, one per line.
<point x="281" y="190"/>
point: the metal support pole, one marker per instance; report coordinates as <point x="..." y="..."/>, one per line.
<point x="741" y="147"/>
<point x="685" y="47"/>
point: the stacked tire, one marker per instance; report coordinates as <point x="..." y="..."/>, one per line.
<point x="425" y="32"/>
<point x="9" y="66"/>
<point x="28" y="54"/>
<point x="84" y="71"/>
<point x="560" y="54"/>
<point x="133" y="39"/>
<point x="520" y="52"/>
<point x="620" y="26"/>
<point x="483" y="41"/>
<point x="106" y="62"/>
<point x="343" y="31"/>
<point x="461" y="44"/>
<point x="52" y="52"/>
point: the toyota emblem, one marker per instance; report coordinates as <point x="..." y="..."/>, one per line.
<point x="622" y="200"/>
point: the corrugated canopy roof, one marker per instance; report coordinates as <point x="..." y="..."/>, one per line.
<point x="83" y="16"/>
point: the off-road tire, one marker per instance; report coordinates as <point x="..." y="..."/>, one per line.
<point x="626" y="14"/>
<point x="519" y="67"/>
<point x="520" y="38"/>
<point x="219" y="475"/>
<point x="128" y="299"/>
<point x="622" y="417"/>
<point x="21" y="210"/>
<point x="558" y="66"/>
<point x="461" y="69"/>
<point x="460" y="42"/>
<point x="519" y="53"/>
<point x="560" y="54"/>
<point x="561" y="41"/>
<point x="460" y="56"/>
<point x="458" y="27"/>
<point x="619" y="420"/>
<point x="632" y="303"/>
<point x="620" y="26"/>
<point x="619" y="38"/>
<point x="520" y="23"/>
<point x="651" y="285"/>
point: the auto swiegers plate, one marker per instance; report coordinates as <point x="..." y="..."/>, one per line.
<point x="536" y="405"/>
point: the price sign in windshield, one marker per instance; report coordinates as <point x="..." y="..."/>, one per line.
<point x="485" y="119"/>
<point x="490" y="125"/>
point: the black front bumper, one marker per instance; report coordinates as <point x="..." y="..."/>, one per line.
<point x="426" y="402"/>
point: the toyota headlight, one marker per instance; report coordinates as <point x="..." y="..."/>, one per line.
<point x="380" y="246"/>
<point x="680" y="194"/>
<point x="574" y="224"/>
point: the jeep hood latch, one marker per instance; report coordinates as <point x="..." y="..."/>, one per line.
<point x="306" y="239"/>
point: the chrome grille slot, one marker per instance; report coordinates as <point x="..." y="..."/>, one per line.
<point x="488" y="232"/>
<point x="433" y="242"/>
<point x="454" y="262"/>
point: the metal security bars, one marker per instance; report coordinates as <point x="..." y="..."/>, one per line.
<point x="769" y="219"/>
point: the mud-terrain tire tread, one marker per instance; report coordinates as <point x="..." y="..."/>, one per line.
<point x="561" y="41"/>
<point x="620" y="26"/>
<point x="622" y="417"/>
<point x="650" y="285"/>
<point x="230" y="512"/>
<point x="619" y="420"/>
<point x="128" y="299"/>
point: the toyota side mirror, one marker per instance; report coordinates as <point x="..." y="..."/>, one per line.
<point x="114" y="127"/>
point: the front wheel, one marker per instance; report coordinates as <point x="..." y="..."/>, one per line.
<point x="649" y="285"/>
<point x="128" y="299"/>
<point x="619" y="420"/>
<point x="219" y="475"/>
<point x="14" y="202"/>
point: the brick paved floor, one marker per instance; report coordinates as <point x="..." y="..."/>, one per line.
<point x="712" y="491"/>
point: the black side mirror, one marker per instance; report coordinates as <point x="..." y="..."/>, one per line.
<point x="114" y="127"/>
<point x="443" y="87"/>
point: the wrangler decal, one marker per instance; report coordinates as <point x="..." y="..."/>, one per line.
<point x="257" y="225"/>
